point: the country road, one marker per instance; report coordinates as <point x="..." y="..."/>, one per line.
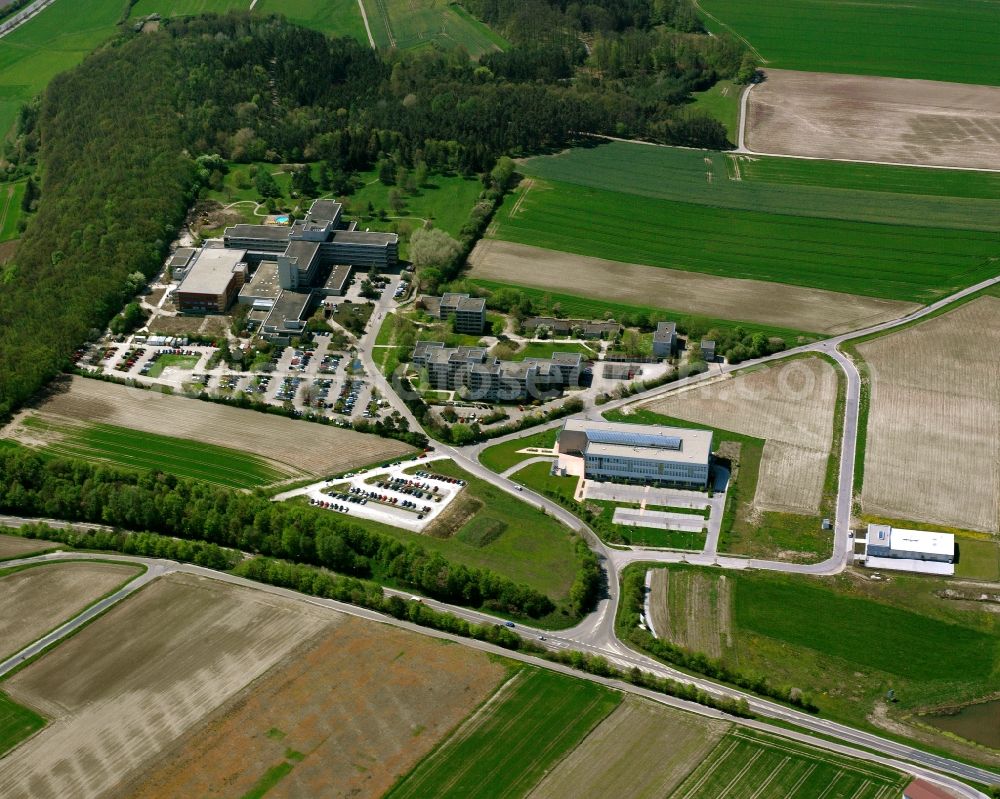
<point x="893" y="755"/>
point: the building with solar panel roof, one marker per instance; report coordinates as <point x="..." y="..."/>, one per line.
<point x="650" y="454"/>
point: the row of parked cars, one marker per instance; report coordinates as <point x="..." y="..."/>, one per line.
<point x="443" y="478"/>
<point x="322" y="503"/>
<point x="130" y="359"/>
<point x="412" y="488"/>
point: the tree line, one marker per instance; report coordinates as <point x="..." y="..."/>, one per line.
<point x="73" y="490"/>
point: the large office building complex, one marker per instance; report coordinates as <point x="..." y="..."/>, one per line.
<point x="291" y="267"/>
<point x="636" y="453"/>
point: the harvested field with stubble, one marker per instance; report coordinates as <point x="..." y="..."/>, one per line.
<point x="127" y="686"/>
<point x="869" y="118"/>
<point x="934" y="420"/>
<point x="791" y="406"/>
<point x="778" y="304"/>
<point x="693" y="610"/>
<point x="12" y="546"/>
<point x="625" y="757"/>
<point x="36" y="600"/>
<point x="362" y="705"/>
<point x="302" y="446"/>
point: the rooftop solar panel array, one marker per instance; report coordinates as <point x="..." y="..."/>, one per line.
<point x="634" y="439"/>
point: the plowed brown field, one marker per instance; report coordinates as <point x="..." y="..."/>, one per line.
<point x="358" y="707"/>
<point x="127" y="686"/>
<point x="933" y="451"/>
<point x="791" y="406"/>
<point x="868" y="118"/>
<point x="312" y="448"/>
<point x="778" y="304"/>
<point x="12" y="546"/>
<point x="36" y="600"/>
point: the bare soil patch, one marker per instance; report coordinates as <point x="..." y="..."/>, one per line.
<point x="36" y="600"/>
<point x="933" y="451"/>
<point x="363" y="704"/>
<point x="791" y="407"/>
<point x="14" y="546"/>
<point x="311" y="448"/>
<point x="642" y="750"/>
<point x="142" y="676"/>
<point x="870" y="118"/>
<point x="794" y="307"/>
<point x="706" y="622"/>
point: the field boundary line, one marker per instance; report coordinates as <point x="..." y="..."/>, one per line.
<point x="830" y="787"/>
<point x="741" y="37"/>
<point x="763" y="786"/>
<point x="710" y="771"/>
<point x="742" y="773"/>
<point x="802" y="779"/>
<point x="782" y="747"/>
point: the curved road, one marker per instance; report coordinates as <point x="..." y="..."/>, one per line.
<point x="157" y="567"/>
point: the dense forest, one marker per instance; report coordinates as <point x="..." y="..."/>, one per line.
<point x="117" y="139"/>
<point x="33" y="485"/>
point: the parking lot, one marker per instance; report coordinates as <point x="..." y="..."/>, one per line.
<point x="387" y="494"/>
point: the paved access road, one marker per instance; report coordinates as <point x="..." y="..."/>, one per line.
<point x="157" y="567"/>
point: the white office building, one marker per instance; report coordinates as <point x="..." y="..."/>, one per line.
<point x="650" y="454"/>
<point x="898" y="549"/>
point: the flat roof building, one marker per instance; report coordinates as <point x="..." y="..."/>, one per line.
<point x="212" y="282"/>
<point x="665" y="339"/>
<point x="468" y="312"/>
<point x="638" y="453"/>
<point x="896" y="548"/>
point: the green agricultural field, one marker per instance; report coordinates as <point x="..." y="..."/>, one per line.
<point x="332" y="17"/>
<point x="978" y="560"/>
<point x="932" y="39"/>
<point x="408" y="24"/>
<point x="501" y="457"/>
<point x="137" y="450"/>
<point x="846" y="640"/>
<point x="887" y="195"/>
<point x="749" y="763"/>
<point x="55" y="40"/>
<point x="891" y="261"/>
<point x="187" y="8"/>
<point x="504" y="749"/>
<point x="533" y="548"/>
<point x="11" y="195"/>
<point x="867" y="177"/>
<point x="16" y="723"/>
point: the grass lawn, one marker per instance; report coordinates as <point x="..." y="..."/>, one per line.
<point x="745" y="532"/>
<point x="846" y="640"/>
<point x="53" y="41"/>
<point x="978" y="560"/>
<point x="187" y="8"/>
<point x="137" y="450"/>
<point x="504" y="749"/>
<point x="533" y="548"/>
<point x="173" y="362"/>
<point x="775" y="768"/>
<point x="11" y="195"/>
<point x="238" y="185"/>
<point x="900" y="262"/>
<point x="722" y="102"/>
<point x="501" y="457"/>
<point x="541" y="349"/>
<point x="16" y="723"/>
<point x="444" y="201"/>
<point x="933" y="39"/>
<point x="589" y="308"/>
<point x="409" y="24"/>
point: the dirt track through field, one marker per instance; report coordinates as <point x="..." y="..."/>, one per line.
<point x="34" y="601"/>
<point x="933" y="450"/>
<point x="641" y="751"/>
<point x="308" y="447"/>
<point x="871" y="118"/>
<point x="363" y="704"/>
<point x="794" y="307"/>
<point x="790" y="406"/>
<point x="128" y="685"/>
